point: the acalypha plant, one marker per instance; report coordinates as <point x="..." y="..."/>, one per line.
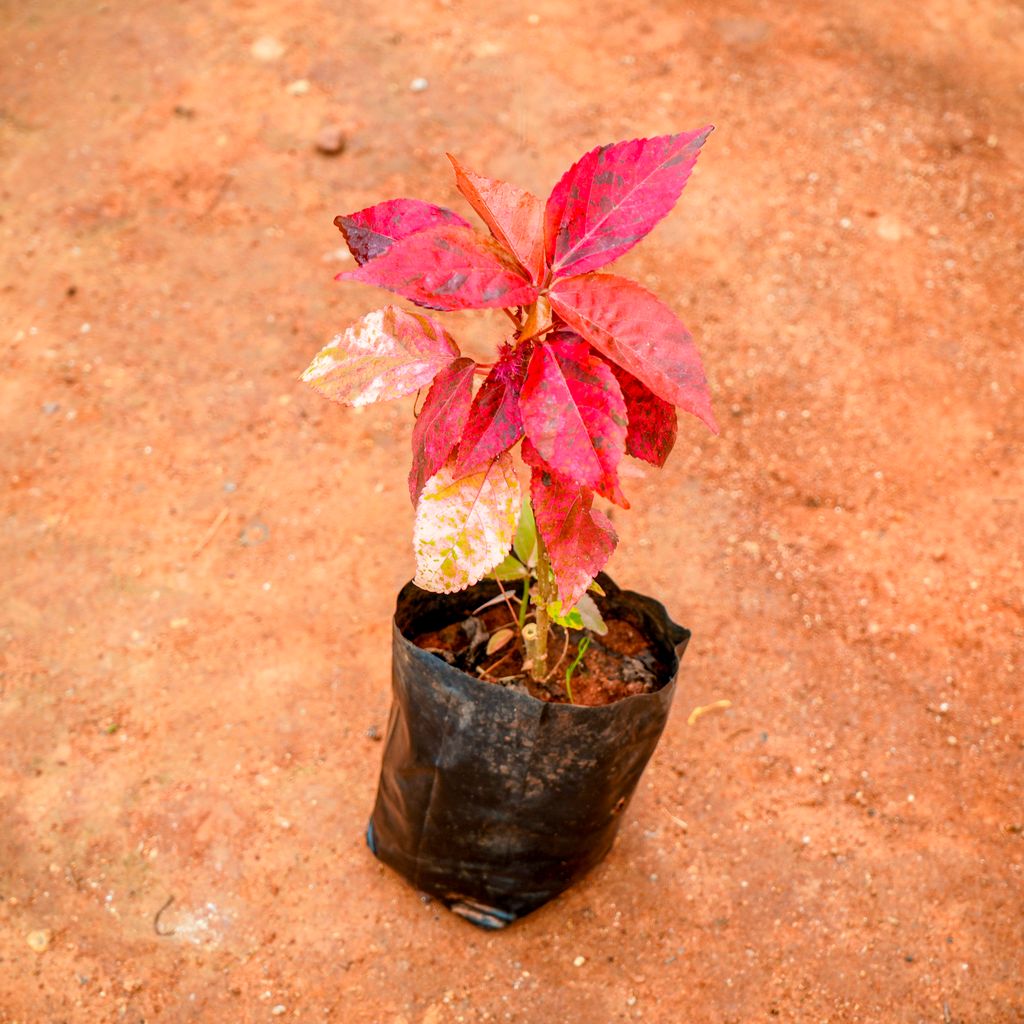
<point x="592" y="368"/>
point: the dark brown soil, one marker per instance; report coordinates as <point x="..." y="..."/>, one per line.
<point x="618" y="665"/>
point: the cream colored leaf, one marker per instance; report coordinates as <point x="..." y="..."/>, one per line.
<point x="464" y="527"/>
<point x="389" y="353"/>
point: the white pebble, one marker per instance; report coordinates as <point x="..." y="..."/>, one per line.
<point x="419" y="85"/>
<point x="579" y="961"/>
<point x="267" y="48"/>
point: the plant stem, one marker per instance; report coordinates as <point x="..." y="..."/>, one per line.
<point x="538" y="319"/>
<point x="524" y="603"/>
<point x="540" y="655"/>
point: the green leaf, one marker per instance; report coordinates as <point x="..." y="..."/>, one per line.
<point x="510" y="569"/>
<point x="569" y="620"/>
<point x="525" y="542"/>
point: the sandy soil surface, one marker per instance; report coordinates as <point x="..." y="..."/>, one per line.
<point x="199" y="556"/>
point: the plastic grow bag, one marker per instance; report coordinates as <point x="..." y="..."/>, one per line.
<point x="494" y="801"/>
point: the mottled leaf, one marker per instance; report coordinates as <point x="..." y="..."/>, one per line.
<point x="638" y="332"/>
<point x="574" y="414"/>
<point x="579" y="539"/>
<point x="448" y="268"/>
<point x="389" y="353"/>
<point x="371" y="232"/>
<point x="652" y="420"/>
<point x="464" y="525"/>
<point x="515" y="217"/>
<point x="440" y="423"/>
<point x="567" y="620"/>
<point x="495" y="422"/>
<point x="611" y="197"/>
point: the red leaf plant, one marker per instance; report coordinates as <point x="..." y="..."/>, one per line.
<point x="593" y="368"/>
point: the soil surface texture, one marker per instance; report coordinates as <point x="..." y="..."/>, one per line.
<point x="609" y="668"/>
<point x="200" y="556"/>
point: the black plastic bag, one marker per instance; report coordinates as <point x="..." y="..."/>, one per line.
<point x="494" y="801"/>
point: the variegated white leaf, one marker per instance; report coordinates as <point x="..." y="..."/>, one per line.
<point x="464" y="526"/>
<point x="389" y="353"/>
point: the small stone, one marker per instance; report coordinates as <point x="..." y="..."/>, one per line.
<point x="579" y="961"/>
<point x="330" y="140"/>
<point x="890" y="229"/>
<point x="49" y="408"/>
<point x="39" y="940"/>
<point x="419" y="85"/>
<point x="297" y="88"/>
<point x="278" y="1010"/>
<point x="267" y="48"/>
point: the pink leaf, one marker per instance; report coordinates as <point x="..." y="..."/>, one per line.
<point x="440" y="423"/>
<point x="515" y="217"/>
<point x="495" y="422"/>
<point x="610" y="198"/>
<point x="573" y="413"/>
<point x="652" y="420"/>
<point x="579" y="539"/>
<point x="371" y="232"/>
<point x="389" y="353"/>
<point x="448" y="268"/>
<point x="638" y="332"/>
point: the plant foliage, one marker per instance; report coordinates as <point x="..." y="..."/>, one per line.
<point x="594" y="366"/>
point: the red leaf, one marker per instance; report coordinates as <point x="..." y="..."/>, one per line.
<point x="389" y="353"/>
<point x="515" y="217"/>
<point x="579" y="539"/>
<point x="573" y="413"/>
<point x="610" y="198"/>
<point x="495" y="422"/>
<point x="440" y="423"/>
<point x="448" y="268"/>
<point x="371" y="232"/>
<point x="652" y="420"/>
<point x="637" y="331"/>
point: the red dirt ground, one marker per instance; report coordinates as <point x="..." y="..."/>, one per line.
<point x="200" y="556"/>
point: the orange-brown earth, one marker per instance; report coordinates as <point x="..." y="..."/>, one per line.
<point x="199" y="556"/>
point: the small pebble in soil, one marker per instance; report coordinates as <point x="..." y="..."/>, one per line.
<point x="39" y="940"/>
<point x="419" y="85"/>
<point x="330" y="140"/>
<point x="579" y="961"/>
<point x="278" y="1010"/>
<point x="297" y="88"/>
<point x="267" y="48"/>
<point x="373" y="733"/>
<point x="49" y="408"/>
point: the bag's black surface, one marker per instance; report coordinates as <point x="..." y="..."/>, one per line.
<point x="494" y="801"/>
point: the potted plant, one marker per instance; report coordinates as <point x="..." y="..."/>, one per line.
<point x="529" y="691"/>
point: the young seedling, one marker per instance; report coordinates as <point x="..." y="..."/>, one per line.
<point x="592" y="368"/>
